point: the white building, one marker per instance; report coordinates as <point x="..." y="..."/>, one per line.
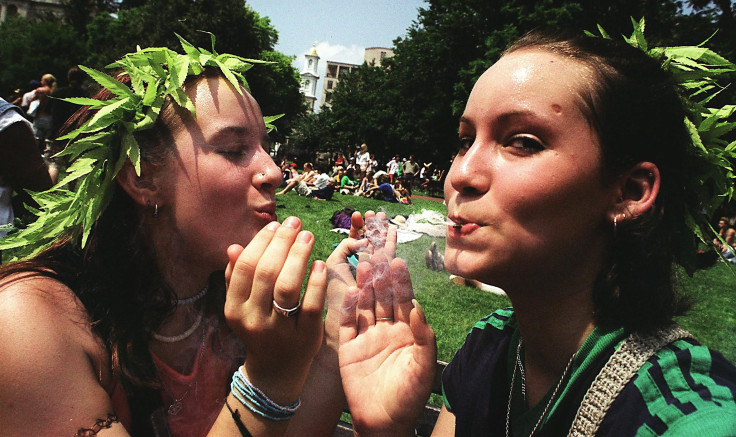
<point x="310" y="77"/>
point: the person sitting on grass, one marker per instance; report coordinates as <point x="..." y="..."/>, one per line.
<point x="383" y="191"/>
<point x="348" y="183"/>
<point x="307" y="177"/>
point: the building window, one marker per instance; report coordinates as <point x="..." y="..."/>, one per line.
<point x="310" y="63"/>
<point x="329" y="84"/>
<point x="383" y="55"/>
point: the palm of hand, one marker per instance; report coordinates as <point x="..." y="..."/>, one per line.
<point x="383" y="382"/>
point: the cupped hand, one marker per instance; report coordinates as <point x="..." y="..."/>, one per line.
<point x="279" y="349"/>
<point x="387" y="350"/>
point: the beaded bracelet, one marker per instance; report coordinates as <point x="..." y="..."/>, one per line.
<point x="258" y="402"/>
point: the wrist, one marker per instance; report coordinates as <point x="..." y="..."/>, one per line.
<point x="282" y="390"/>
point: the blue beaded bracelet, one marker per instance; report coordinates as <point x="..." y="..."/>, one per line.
<point x="258" y="402"/>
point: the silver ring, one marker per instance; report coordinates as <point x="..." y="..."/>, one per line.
<point x="384" y="319"/>
<point x="286" y="312"/>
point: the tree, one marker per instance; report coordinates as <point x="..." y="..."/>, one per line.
<point x="238" y="29"/>
<point x="452" y="42"/>
<point x="32" y="48"/>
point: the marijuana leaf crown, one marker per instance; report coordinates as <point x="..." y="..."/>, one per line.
<point x="98" y="148"/>
<point x="696" y="70"/>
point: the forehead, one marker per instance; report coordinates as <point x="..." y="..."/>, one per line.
<point x="219" y="106"/>
<point x="531" y="80"/>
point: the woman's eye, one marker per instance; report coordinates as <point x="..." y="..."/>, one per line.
<point x="526" y="144"/>
<point x="231" y="154"/>
<point x="463" y="144"/>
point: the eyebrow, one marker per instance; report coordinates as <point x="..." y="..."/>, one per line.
<point x="228" y="132"/>
<point x="510" y="116"/>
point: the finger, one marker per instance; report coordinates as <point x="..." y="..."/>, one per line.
<point x="425" y="350"/>
<point x="382" y="288"/>
<point x="241" y="278"/>
<point x="286" y="292"/>
<point x="272" y="262"/>
<point x="233" y="252"/>
<point x="403" y="291"/>
<point x="390" y="248"/>
<point x="366" y="304"/>
<point x="313" y="303"/>
<point x="348" y="319"/>
<point x="375" y="230"/>
<point x="356" y="225"/>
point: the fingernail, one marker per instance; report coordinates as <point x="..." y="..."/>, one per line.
<point x="273" y="226"/>
<point x="319" y="266"/>
<point x="304" y="237"/>
<point x="292" y="222"/>
<point x="420" y="311"/>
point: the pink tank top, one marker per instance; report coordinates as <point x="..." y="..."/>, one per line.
<point x="201" y="393"/>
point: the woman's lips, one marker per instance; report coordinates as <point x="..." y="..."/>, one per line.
<point x="460" y="229"/>
<point x="267" y="213"/>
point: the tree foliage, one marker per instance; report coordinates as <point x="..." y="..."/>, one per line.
<point x="34" y="47"/>
<point x="414" y="106"/>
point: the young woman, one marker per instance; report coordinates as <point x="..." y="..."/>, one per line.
<point x="133" y="332"/>
<point x="569" y="192"/>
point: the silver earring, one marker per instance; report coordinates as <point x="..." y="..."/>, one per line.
<point x="614" y="224"/>
<point x="155" y="210"/>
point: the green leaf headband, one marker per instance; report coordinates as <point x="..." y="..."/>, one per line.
<point x="695" y="69"/>
<point x="98" y="149"/>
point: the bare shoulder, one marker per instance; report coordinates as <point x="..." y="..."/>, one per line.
<point x="53" y="366"/>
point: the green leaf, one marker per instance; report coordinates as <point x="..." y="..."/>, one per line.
<point x="84" y="101"/>
<point x="108" y="82"/>
<point x="229" y="76"/>
<point x="132" y="151"/>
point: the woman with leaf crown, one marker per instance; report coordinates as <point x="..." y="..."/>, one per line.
<point x="584" y="170"/>
<point x="113" y="320"/>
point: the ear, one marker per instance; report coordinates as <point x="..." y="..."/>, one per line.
<point x="637" y="191"/>
<point x="141" y="188"/>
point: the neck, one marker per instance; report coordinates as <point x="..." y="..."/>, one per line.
<point x="552" y="329"/>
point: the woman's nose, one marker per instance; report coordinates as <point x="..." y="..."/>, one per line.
<point x="268" y="175"/>
<point x="470" y="173"/>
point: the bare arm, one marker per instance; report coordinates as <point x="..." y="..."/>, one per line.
<point x="53" y="366"/>
<point x="445" y="425"/>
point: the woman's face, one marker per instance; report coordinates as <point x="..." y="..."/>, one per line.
<point x="218" y="189"/>
<point x="526" y="184"/>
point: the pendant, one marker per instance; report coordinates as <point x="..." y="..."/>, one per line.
<point x="175" y="408"/>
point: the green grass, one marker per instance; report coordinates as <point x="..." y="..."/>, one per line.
<point x="452" y="310"/>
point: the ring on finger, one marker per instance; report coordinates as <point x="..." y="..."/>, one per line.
<point x="384" y="319"/>
<point x="286" y="312"/>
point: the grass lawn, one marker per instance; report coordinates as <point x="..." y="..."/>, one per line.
<point x="452" y="310"/>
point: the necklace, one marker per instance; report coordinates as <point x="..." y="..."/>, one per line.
<point x="196" y="297"/>
<point x="520" y="365"/>
<point x="177" y="405"/>
<point x="183" y="335"/>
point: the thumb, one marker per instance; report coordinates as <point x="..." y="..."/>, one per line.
<point x="233" y="252"/>
<point x="425" y="350"/>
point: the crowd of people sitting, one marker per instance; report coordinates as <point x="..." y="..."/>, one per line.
<point x="359" y="174"/>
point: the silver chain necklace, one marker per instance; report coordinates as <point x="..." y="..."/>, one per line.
<point x="177" y="405"/>
<point x="520" y="365"/>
